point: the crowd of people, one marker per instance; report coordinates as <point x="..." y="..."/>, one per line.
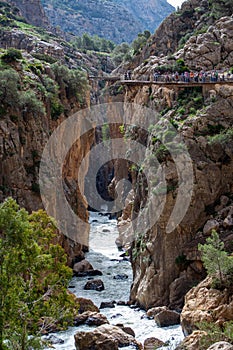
<point x="187" y="77"/>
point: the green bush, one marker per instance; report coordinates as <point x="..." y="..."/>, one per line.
<point x="73" y="81"/>
<point x="30" y="103"/>
<point x="46" y="58"/>
<point x="11" y="55"/>
<point x="215" y="334"/>
<point x="223" y="137"/>
<point x="56" y="108"/>
<point x="9" y="94"/>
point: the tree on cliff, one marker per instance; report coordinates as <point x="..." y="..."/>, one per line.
<point x="215" y="259"/>
<point x="33" y="278"/>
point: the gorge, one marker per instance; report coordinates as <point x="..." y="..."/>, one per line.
<point x="49" y="81"/>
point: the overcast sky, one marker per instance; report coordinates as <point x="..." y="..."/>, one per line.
<point x="175" y="3"/>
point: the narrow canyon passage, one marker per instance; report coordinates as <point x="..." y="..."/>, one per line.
<point x="104" y="256"/>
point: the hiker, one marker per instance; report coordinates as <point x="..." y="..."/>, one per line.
<point x="186" y="77"/>
<point x="182" y="77"/>
<point x="129" y="74"/>
<point x="156" y="75"/>
<point x="196" y="75"/>
<point x="176" y="76"/>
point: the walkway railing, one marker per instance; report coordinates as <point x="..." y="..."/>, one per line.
<point x="166" y="79"/>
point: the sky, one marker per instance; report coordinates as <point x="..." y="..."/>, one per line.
<point x="175" y="3"/>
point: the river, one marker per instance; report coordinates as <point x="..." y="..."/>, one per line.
<point x="104" y="256"/>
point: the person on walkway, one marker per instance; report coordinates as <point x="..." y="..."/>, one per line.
<point x="191" y="75"/>
<point x="186" y="76"/>
<point x="176" y="77"/>
<point x="196" y="76"/>
<point x="167" y="79"/>
<point x="156" y="76"/>
<point x="129" y="75"/>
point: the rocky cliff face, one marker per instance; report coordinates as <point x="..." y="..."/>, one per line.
<point x="36" y="96"/>
<point x="168" y="264"/>
<point x="32" y="11"/>
<point x="194" y="20"/>
<point x="115" y="20"/>
<point x="177" y="26"/>
<point x="38" y="104"/>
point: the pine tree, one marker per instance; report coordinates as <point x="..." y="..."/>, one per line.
<point x="33" y="278"/>
<point x="215" y="259"/>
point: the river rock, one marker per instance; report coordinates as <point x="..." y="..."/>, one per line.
<point x="152" y="343"/>
<point x="121" y="303"/>
<point x="84" y="305"/>
<point x="94" y="285"/>
<point x="105" y="337"/>
<point x="222" y="345"/>
<point x="52" y="339"/>
<point x="122" y="276"/>
<point x="89" y="273"/>
<point x="107" y="304"/>
<point x="151" y="313"/>
<point x="167" y="318"/>
<point x="82" y="266"/>
<point x="127" y="330"/>
<point x="91" y="319"/>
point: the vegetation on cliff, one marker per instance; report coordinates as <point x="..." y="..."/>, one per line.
<point x="216" y="260"/>
<point x="33" y="278"/>
<point x="26" y="85"/>
<point x="119" y="21"/>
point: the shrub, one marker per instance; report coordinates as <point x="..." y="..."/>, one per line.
<point x="215" y="334"/>
<point x="56" y="108"/>
<point x="223" y="137"/>
<point x="44" y="57"/>
<point x="11" y="55"/>
<point x="215" y="259"/>
<point x="31" y="104"/>
<point x="73" y="81"/>
<point x="9" y="94"/>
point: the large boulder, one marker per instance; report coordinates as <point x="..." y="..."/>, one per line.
<point x="107" y="304"/>
<point x="82" y="266"/>
<point x="127" y="330"/>
<point x="106" y="337"/>
<point x="91" y="319"/>
<point x="205" y="304"/>
<point x="167" y="318"/>
<point x="84" y="305"/>
<point x="152" y="343"/>
<point x="94" y="285"/>
<point x="151" y="313"/>
<point x="192" y="342"/>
